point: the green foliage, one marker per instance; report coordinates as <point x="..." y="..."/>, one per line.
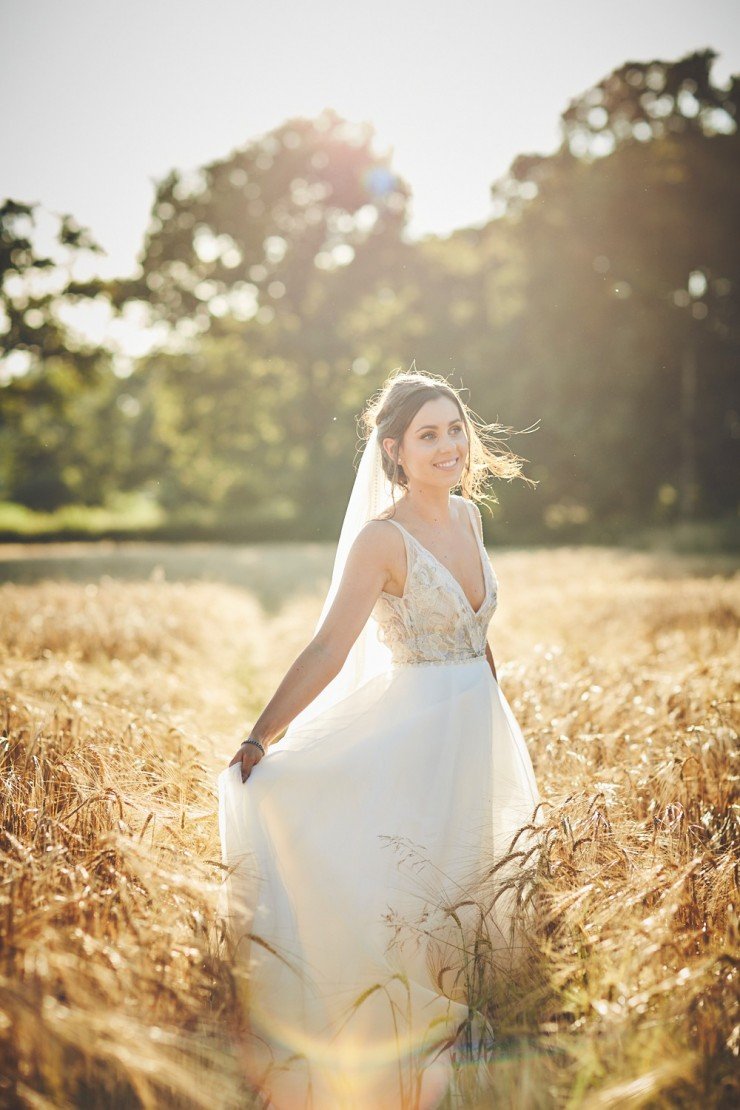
<point x="602" y="301"/>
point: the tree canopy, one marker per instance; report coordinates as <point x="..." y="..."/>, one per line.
<point x="600" y="301"/>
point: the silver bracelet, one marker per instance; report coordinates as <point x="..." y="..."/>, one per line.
<point x="251" y="740"/>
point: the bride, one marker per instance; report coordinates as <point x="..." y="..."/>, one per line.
<point x="363" y="847"/>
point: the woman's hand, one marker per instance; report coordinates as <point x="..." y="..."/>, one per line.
<point x="248" y="755"/>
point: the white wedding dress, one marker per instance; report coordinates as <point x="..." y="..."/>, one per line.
<point x="351" y="839"/>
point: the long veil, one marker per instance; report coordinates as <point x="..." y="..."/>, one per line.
<point x="371" y="495"/>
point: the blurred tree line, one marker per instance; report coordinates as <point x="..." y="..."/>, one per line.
<point x="601" y="300"/>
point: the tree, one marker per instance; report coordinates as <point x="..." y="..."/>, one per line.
<point x="49" y="384"/>
<point x="633" y="287"/>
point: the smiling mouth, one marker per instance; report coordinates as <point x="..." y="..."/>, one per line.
<point x="450" y="465"/>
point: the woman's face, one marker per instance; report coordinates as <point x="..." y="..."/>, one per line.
<point x="435" y="437"/>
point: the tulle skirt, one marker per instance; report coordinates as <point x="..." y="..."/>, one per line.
<point x="363" y="851"/>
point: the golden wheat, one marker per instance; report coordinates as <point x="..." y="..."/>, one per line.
<point x="120" y="702"/>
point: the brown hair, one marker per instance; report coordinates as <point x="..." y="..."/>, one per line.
<point x="393" y="408"/>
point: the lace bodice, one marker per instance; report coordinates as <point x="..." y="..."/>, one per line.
<point x="434" y="622"/>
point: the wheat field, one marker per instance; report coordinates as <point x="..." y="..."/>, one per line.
<point x="121" y="700"/>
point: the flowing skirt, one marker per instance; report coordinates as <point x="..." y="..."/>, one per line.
<point x="354" y="847"/>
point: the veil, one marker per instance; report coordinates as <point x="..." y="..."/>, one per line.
<point x="371" y="495"/>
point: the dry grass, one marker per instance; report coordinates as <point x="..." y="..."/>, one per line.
<point x="120" y="701"/>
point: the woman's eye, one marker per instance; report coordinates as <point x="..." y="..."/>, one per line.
<point x="458" y="428"/>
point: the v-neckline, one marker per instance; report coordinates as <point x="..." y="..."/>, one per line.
<point x="448" y="572"/>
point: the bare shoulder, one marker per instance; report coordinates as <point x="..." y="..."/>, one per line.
<point x="465" y="503"/>
<point x="470" y="507"/>
<point x="379" y="542"/>
<point x="376" y="552"/>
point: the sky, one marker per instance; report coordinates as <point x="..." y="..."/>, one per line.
<point x="103" y="98"/>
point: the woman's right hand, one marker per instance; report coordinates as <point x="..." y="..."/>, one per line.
<point x="248" y="755"/>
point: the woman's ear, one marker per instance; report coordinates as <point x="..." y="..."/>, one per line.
<point x="390" y="448"/>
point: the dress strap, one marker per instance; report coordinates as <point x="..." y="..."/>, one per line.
<point x="475" y="518"/>
<point x="407" y="538"/>
<point x="400" y="527"/>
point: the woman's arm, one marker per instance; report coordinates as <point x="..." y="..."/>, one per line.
<point x="305" y="679"/>
<point x="489" y="653"/>
<point x="489" y="657"/>
<point x="366" y="573"/>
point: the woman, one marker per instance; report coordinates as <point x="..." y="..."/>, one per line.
<point x="359" y="846"/>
